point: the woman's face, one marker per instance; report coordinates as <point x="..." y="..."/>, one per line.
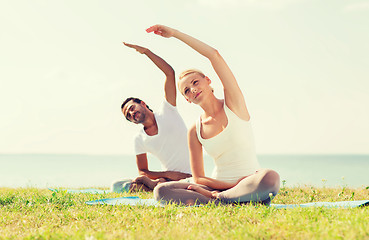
<point x="194" y="87"/>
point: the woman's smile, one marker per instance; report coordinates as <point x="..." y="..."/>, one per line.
<point x="198" y="94"/>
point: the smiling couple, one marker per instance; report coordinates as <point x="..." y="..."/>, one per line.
<point x="223" y="130"/>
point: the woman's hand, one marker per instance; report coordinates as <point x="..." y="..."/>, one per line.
<point x="139" y="49"/>
<point x="161" y="30"/>
<point x="206" y="193"/>
<point x="215" y="194"/>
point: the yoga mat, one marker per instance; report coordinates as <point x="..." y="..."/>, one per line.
<point x="343" y="204"/>
<point x="136" y="201"/>
<point x="133" y="201"/>
<point x="89" y="190"/>
<point x="118" y="187"/>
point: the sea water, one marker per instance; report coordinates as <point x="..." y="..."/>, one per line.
<point x="80" y="171"/>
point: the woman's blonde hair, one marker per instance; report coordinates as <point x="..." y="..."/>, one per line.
<point x="190" y="71"/>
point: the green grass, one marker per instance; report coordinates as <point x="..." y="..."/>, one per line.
<point x="29" y="213"/>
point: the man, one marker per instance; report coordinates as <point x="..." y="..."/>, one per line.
<point x="164" y="134"/>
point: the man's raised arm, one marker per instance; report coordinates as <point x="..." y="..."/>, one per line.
<point x="170" y="83"/>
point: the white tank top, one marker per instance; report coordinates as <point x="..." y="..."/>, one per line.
<point x="233" y="149"/>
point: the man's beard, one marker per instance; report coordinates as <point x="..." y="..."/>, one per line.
<point x="141" y="117"/>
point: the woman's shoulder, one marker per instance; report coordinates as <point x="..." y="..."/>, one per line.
<point x="192" y="129"/>
<point x="238" y="110"/>
<point x="193" y="134"/>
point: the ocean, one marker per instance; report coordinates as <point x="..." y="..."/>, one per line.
<point x="82" y="171"/>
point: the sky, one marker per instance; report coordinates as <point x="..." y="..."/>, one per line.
<point x="302" y="65"/>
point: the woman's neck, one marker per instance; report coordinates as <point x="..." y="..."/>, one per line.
<point x="212" y="107"/>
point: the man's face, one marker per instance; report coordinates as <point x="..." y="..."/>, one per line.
<point x="135" y="112"/>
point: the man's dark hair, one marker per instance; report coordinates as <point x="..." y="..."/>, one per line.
<point x="136" y="100"/>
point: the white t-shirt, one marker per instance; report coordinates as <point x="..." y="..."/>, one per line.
<point x="170" y="144"/>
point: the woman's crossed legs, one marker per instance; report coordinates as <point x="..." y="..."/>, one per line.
<point x="253" y="188"/>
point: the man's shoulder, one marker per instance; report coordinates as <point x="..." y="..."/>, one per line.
<point x="166" y="107"/>
<point x="139" y="144"/>
<point x="138" y="136"/>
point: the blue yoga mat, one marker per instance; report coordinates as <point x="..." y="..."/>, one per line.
<point x="133" y="201"/>
<point x="89" y="190"/>
<point x="136" y="201"/>
<point x="343" y="204"/>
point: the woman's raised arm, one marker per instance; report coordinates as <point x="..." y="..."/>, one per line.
<point x="232" y="93"/>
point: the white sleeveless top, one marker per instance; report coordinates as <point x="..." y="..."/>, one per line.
<point x="233" y="149"/>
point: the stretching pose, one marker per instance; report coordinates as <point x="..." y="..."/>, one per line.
<point x="164" y="134"/>
<point x="224" y="130"/>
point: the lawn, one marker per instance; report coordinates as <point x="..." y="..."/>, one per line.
<point x="30" y="213"/>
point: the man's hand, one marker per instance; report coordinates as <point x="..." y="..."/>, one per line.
<point x="175" y="176"/>
<point x="139" y="49"/>
<point x="150" y="183"/>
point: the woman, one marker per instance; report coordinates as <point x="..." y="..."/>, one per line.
<point x="224" y="131"/>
